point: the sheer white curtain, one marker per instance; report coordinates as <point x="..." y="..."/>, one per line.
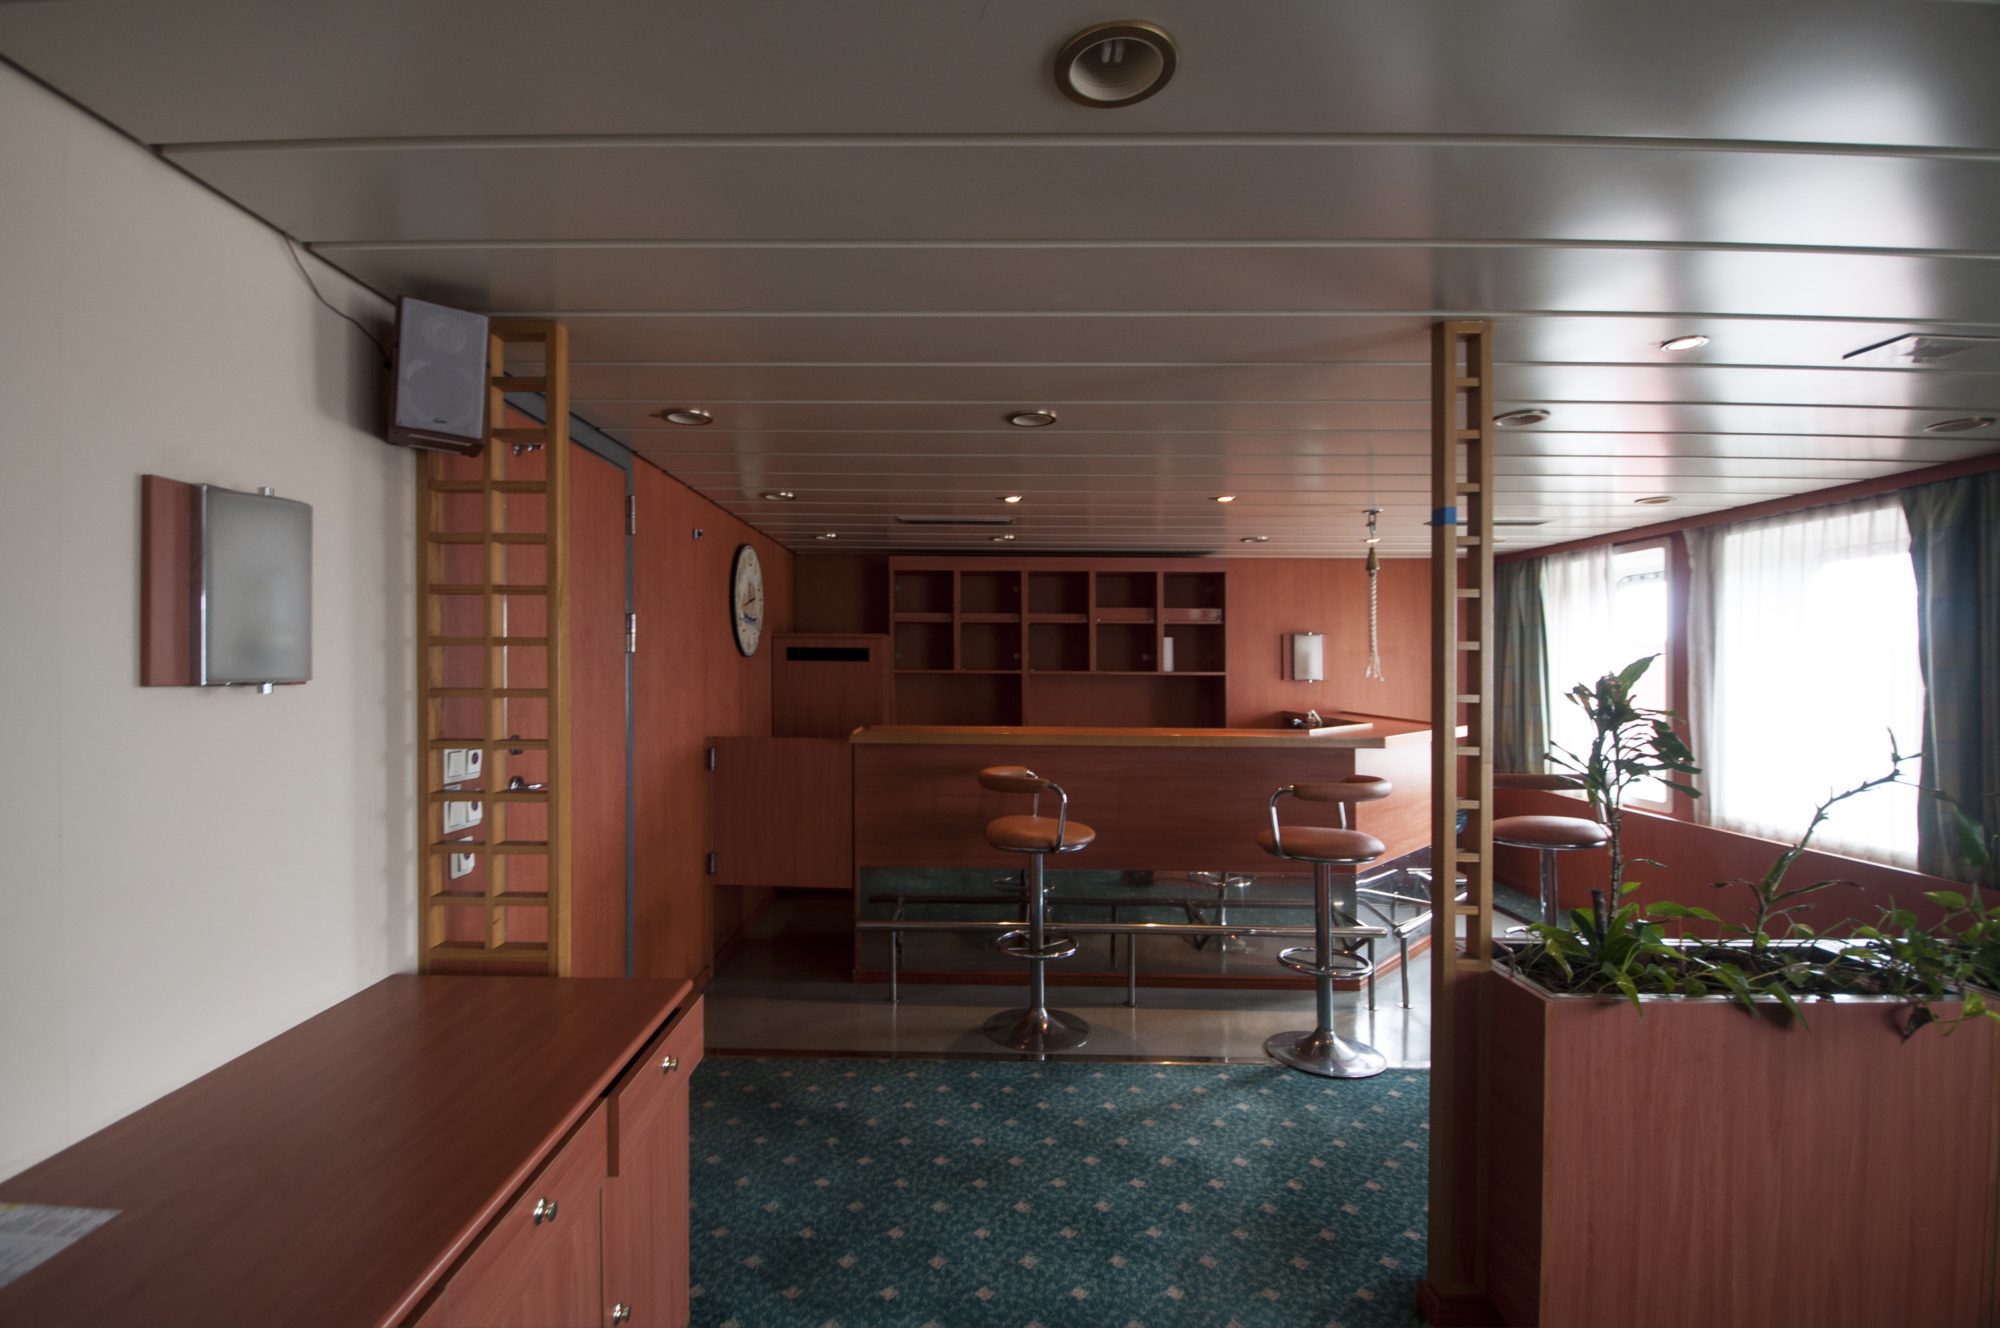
<point x="1803" y="652"/>
<point x="1576" y="606"/>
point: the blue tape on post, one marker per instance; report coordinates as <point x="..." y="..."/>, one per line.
<point x="1445" y="516"/>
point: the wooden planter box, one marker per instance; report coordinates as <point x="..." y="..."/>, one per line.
<point x="1698" y="1166"/>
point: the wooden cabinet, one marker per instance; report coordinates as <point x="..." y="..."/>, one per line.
<point x="829" y="686"/>
<point x="537" y="1265"/>
<point x="1059" y="641"/>
<point x="433" y="1152"/>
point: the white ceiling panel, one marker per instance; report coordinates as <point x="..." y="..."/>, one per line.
<point x="375" y="196"/>
<point x="1809" y="71"/>
<point x="860" y="234"/>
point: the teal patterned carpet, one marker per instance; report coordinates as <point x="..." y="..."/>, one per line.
<point x="893" y="1193"/>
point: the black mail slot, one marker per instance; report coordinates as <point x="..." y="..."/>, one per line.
<point x="829" y="654"/>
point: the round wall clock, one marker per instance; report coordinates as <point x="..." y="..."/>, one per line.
<point x="746" y="599"/>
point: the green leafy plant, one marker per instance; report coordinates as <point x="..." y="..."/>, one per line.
<point x="1630" y="744"/>
<point x="1958" y="954"/>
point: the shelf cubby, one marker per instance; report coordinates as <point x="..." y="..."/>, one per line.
<point x="924" y="645"/>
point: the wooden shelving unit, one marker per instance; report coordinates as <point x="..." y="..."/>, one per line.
<point x="1059" y="641"/>
<point x="492" y="679"/>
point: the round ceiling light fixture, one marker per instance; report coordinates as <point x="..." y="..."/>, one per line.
<point x="1010" y="497"/>
<point x="1656" y="500"/>
<point x="1514" y="419"/>
<point x="688" y="417"/>
<point x="779" y="496"/>
<point x="1032" y="419"/>
<point x="1116" y="64"/>
<point x="1002" y="539"/>
<point x="827" y="535"/>
<point x="1692" y="341"/>
<point x="1225" y="497"/>
<point x="1960" y="424"/>
<point x="1256" y="539"/>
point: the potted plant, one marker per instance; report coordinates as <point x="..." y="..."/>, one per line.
<point x="1661" y="1158"/>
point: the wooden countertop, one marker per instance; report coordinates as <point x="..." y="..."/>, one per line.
<point x="334" y="1174"/>
<point x="1378" y="733"/>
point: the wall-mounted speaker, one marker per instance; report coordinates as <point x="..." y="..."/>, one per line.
<point x="438" y="401"/>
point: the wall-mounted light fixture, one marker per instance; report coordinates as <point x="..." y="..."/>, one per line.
<point x="1308" y="657"/>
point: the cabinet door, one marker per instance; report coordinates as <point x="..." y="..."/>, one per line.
<point x="646" y="1202"/>
<point x="541" y="1263"/>
<point x="646" y="1224"/>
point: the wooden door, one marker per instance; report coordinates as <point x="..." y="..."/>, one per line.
<point x="646" y="1223"/>
<point x="783" y="812"/>
<point x="597" y="606"/>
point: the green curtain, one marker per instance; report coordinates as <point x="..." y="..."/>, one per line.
<point x="1520" y="669"/>
<point x="1955" y="550"/>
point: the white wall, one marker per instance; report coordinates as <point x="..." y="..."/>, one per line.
<point x="184" y="872"/>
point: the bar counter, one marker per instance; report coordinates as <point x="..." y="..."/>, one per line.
<point x="1164" y="799"/>
<point x="1340" y="731"/>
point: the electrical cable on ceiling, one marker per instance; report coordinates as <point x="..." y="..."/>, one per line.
<point x="1374" y="670"/>
<point x="313" y="286"/>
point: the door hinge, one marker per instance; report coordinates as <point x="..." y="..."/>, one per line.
<point x="711" y="864"/>
<point x="631" y="514"/>
<point x="710" y="758"/>
<point x="631" y="633"/>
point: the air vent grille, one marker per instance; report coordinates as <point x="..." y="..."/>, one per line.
<point x="955" y="521"/>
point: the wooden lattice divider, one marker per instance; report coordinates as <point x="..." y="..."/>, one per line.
<point x="1462" y="781"/>
<point x="492" y="628"/>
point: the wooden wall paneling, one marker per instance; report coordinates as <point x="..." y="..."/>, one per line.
<point x="169" y="580"/>
<point x="690" y="683"/>
<point x="1696" y="857"/>
<point x="843" y="593"/>
<point x="829" y="698"/>
<point x="783" y="812"/>
<point x="1270" y="598"/>
<point x="597" y="714"/>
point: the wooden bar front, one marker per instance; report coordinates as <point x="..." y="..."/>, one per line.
<point x="1159" y="799"/>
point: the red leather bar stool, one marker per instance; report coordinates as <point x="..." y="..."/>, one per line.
<point x="1547" y="835"/>
<point x="1337" y="949"/>
<point x="1035" y="1028"/>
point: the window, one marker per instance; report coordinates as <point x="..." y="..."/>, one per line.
<point x="1605" y="608"/>
<point x="1804" y="659"/>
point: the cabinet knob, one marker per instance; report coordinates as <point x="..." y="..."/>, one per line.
<point x="670" y="1064"/>
<point x="544" y="1211"/>
<point x="621" y="1313"/>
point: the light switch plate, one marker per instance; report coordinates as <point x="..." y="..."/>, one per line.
<point x="461" y="865"/>
<point x="462" y="816"/>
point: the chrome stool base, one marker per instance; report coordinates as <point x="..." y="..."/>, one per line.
<point x="1328" y="1055"/>
<point x="1037" y="1030"/>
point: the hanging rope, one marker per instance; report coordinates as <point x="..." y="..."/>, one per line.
<point x="1374" y="572"/>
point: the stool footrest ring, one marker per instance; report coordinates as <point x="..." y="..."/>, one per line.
<point x="1014" y="945"/>
<point x="1340" y="964"/>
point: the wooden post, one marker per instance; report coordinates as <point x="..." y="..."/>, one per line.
<point x="1454" y="1289"/>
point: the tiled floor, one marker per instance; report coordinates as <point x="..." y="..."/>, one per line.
<point x="786" y="990"/>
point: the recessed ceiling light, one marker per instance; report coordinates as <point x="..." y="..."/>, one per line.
<point x="687" y="417"/>
<point x="1010" y="498"/>
<point x="1256" y="539"/>
<point x="1115" y="64"/>
<point x="1962" y="424"/>
<point x="827" y="535"/>
<point x="1692" y="341"/>
<point x="779" y="496"/>
<point x="1032" y="419"/>
<point x="1225" y="497"/>
<point x="1002" y="539"/>
<point x="1656" y="500"/>
<point x="1514" y="419"/>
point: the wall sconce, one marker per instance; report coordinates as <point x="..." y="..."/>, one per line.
<point x="1308" y="657"/>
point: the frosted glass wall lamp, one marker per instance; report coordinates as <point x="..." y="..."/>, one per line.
<point x="1308" y="657"/>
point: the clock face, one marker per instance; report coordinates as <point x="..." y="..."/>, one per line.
<point x="746" y="599"/>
